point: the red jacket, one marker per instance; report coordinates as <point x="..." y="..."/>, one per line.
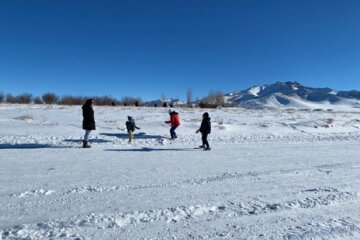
<point x="174" y="119"/>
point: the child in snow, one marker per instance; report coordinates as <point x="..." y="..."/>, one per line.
<point x="130" y="126"/>
<point x="205" y="130"/>
<point x="88" y="121"/>
<point x="174" y="122"/>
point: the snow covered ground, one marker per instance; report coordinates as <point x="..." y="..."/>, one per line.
<point x="271" y="174"/>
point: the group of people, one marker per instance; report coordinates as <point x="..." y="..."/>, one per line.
<point x="174" y="122"/>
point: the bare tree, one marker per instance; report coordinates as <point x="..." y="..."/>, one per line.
<point x="10" y="98"/>
<point x="220" y="99"/>
<point x="71" y="100"/>
<point x="163" y="100"/>
<point x="189" y="97"/>
<point x="38" y="100"/>
<point x="105" y="101"/>
<point x="24" y="98"/>
<point x="131" y="101"/>
<point x="50" y="98"/>
<point x="2" y="97"/>
<point x="214" y="100"/>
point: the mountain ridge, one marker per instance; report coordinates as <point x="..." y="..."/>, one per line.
<point x="292" y="95"/>
<point x="280" y="95"/>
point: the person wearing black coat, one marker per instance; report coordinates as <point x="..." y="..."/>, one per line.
<point x="131" y="126"/>
<point x="205" y="130"/>
<point x="88" y="121"/>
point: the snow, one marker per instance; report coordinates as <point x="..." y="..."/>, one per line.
<point x="271" y="174"/>
<point x="295" y="102"/>
<point x="286" y="95"/>
<point x="254" y="91"/>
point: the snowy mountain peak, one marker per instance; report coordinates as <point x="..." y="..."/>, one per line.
<point x="169" y="102"/>
<point x="254" y="91"/>
<point x="292" y="95"/>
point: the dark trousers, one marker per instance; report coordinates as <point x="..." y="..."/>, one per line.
<point x="172" y="132"/>
<point x="204" y="140"/>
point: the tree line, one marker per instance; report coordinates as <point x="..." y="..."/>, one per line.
<point x="52" y="98"/>
<point x="213" y="100"/>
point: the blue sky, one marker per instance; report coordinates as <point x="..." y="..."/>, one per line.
<point x="153" y="48"/>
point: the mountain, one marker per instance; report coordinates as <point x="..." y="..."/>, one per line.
<point x="169" y="102"/>
<point x="292" y="95"/>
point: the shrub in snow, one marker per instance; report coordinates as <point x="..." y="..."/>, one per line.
<point x="24" y="98"/>
<point x="50" y="98"/>
<point x="71" y="100"/>
<point x="2" y="97"/>
<point x="10" y="98"/>
<point x="38" y="100"/>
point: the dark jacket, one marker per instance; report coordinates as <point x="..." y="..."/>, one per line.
<point x="130" y="125"/>
<point x="88" y="115"/>
<point x="205" y="127"/>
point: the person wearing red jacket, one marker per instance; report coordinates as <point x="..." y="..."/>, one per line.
<point x="174" y="122"/>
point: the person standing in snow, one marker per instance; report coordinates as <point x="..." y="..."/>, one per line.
<point x="131" y="126"/>
<point x="174" y="122"/>
<point x="205" y="130"/>
<point x="88" y="121"/>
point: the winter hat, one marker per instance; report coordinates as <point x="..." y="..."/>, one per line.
<point x="170" y="110"/>
<point x="129" y="117"/>
<point x="206" y="114"/>
<point x="89" y="101"/>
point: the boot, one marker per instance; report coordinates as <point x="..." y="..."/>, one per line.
<point x="86" y="144"/>
<point x="207" y="148"/>
<point x="202" y="146"/>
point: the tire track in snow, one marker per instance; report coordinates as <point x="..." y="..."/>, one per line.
<point x="334" y="196"/>
<point x="190" y="181"/>
<point x="70" y="228"/>
<point x="331" y="229"/>
<point x="67" y="228"/>
<point x="37" y="192"/>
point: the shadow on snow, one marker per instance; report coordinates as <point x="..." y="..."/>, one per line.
<point x="28" y="146"/>
<point x="91" y="140"/>
<point x="146" y="149"/>
<point x="140" y="135"/>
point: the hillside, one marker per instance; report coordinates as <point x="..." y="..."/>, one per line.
<point x="293" y="95"/>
